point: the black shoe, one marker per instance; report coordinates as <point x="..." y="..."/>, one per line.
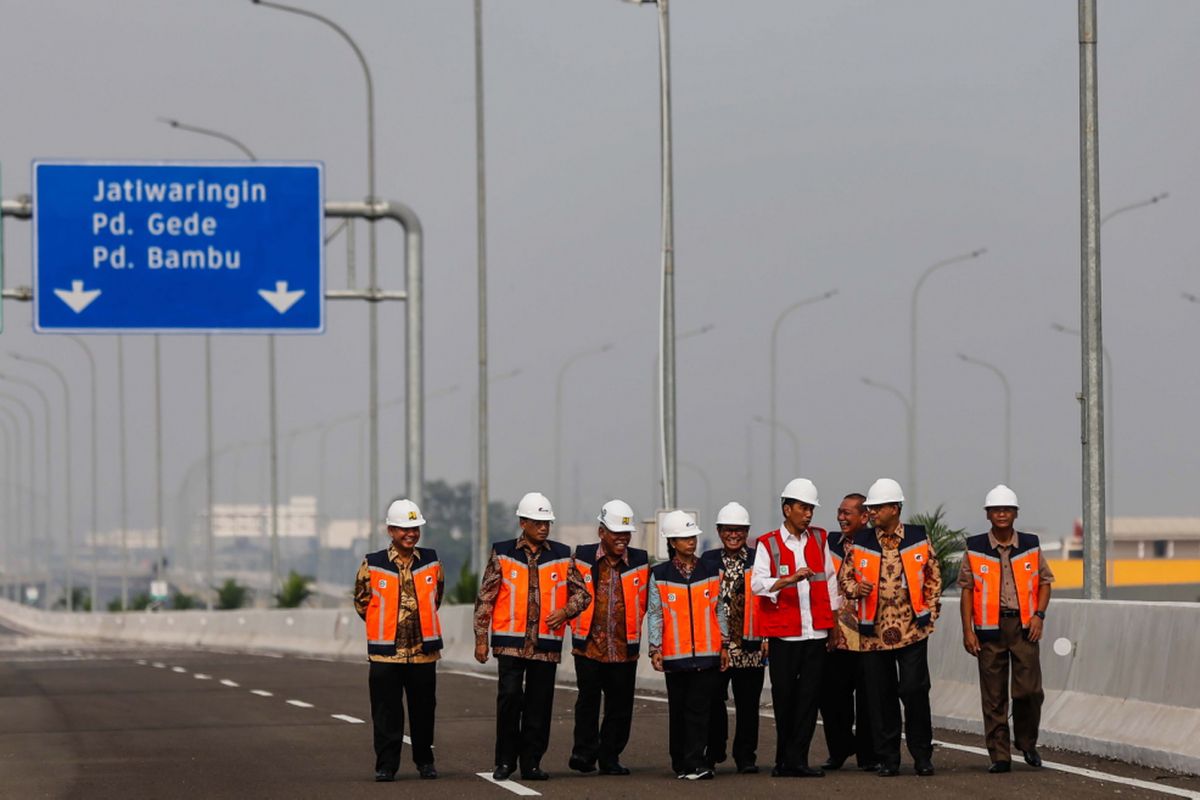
<point x="780" y="771"/>
<point x="832" y="763"/>
<point x="1000" y="766"/>
<point x="807" y="772"/>
<point x="923" y="767"/>
<point x="747" y="769"/>
<point x="427" y="771"/>
<point x="615" y="768"/>
<point x="502" y="772"/>
<point x="869" y="766"/>
<point x="887" y="771"/>
<point x="580" y="764"/>
<point x="383" y="776"/>
<point x="534" y="773"/>
<point x="1032" y="758"/>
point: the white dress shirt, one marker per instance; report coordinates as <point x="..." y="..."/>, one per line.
<point x="761" y="582"/>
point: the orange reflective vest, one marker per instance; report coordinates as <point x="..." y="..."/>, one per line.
<point x="868" y="559"/>
<point x="383" y="611"/>
<point x="509" y="615"/>
<point x="691" y="634"/>
<point x="635" y="582"/>
<point x="986" y="573"/>
<point x="781" y="616"/>
<point x="751" y="638"/>
<point x="838" y="542"/>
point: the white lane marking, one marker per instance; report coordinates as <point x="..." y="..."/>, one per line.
<point x="141" y="662"/>
<point x="299" y="704"/>
<point x="408" y="741"/>
<point x="227" y="682"/>
<point x="350" y="719"/>
<point x="159" y="665"/>
<point x="512" y="786"/>
<point x="1083" y="772"/>
<point x="261" y="692"/>
<point x="178" y="669"/>
<point x="200" y="676"/>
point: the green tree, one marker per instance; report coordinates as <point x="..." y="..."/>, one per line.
<point x="140" y="602"/>
<point x="231" y="595"/>
<point x="295" y="590"/>
<point x="467" y="587"/>
<point x="948" y="543"/>
<point x="181" y="601"/>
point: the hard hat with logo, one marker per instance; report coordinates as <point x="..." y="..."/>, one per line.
<point x="617" y="516"/>
<point x="733" y="514"/>
<point x="1001" y="496"/>
<point x="535" y="505"/>
<point x="884" y="491"/>
<point x="679" y="525"/>
<point x="404" y="514"/>
<point x="801" y="489"/>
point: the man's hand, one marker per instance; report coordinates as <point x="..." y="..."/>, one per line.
<point x="801" y="574"/>
<point x="1035" y="629"/>
<point x="656" y="661"/>
<point x="864" y="589"/>
<point x="835" y="639"/>
<point x="724" y="659"/>
<point x="481" y="652"/>
<point x="557" y="618"/>
<point x="971" y="641"/>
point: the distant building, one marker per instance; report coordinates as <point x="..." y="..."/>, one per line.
<point x="1146" y="537"/>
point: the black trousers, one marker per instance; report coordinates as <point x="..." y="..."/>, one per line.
<point x="892" y="677"/>
<point x="796" y="669"/>
<point x="844" y="709"/>
<point x="689" y="697"/>
<point x="593" y="740"/>
<point x="747" y="685"/>
<point x="524" y="703"/>
<point x="389" y="685"/>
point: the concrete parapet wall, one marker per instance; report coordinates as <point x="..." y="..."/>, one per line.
<point x="1127" y="688"/>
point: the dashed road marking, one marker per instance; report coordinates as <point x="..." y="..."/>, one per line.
<point x="200" y="676"/>
<point x="227" y="682"/>
<point x="511" y="785"/>
<point x="350" y="719"/>
<point x="159" y="665"/>
<point x="141" y="662"/>
<point x="178" y="669"/>
<point x="299" y="704"/>
<point x="261" y="692"/>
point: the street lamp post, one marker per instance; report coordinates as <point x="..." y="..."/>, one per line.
<point x="45" y="458"/>
<point x="775" y="363"/>
<point x="1007" y="411"/>
<point x="912" y="375"/>
<point x="482" y="488"/>
<point x="791" y="434"/>
<point x="558" y="413"/>
<point x="30" y="515"/>
<point x="94" y="497"/>
<point x="667" y="332"/>
<point x="372" y="308"/>
<point x="1110" y="460"/>
<point x="67" y="460"/>
<point x="659" y="490"/>
<point x="887" y="387"/>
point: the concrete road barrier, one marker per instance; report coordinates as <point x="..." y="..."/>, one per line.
<point x="1118" y="675"/>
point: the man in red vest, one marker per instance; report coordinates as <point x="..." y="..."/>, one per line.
<point x="397" y="592"/>
<point x="796" y="587"/>
<point x="1006" y="590"/>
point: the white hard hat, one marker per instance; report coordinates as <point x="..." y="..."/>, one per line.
<point x="884" y="491"/>
<point x="535" y="505"/>
<point x="801" y="489"/>
<point x="1001" y="496"/>
<point x="404" y="514"/>
<point x="679" y="525"/>
<point x="617" y="516"/>
<point x="733" y="514"/>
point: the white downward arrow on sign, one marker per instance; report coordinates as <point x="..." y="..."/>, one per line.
<point x="77" y="298"/>
<point x="281" y="299"/>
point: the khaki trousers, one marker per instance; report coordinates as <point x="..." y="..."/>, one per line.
<point x="995" y="658"/>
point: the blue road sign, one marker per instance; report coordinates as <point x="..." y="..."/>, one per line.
<point x="147" y="247"/>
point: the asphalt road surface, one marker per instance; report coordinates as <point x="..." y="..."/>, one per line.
<point x="106" y="721"/>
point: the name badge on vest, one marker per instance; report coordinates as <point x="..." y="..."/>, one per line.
<point x="918" y="557"/>
<point x="783" y="570"/>
<point x="1029" y="566"/>
<point x="513" y="574"/>
<point x="587" y="578"/>
<point x="553" y="576"/>
<point x="983" y="568"/>
<point x="670" y="597"/>
<point x="429" y="579"/>
<point x="383" y="583"/>
<point x="862" y="564"/>
<point x="636" y="581"/>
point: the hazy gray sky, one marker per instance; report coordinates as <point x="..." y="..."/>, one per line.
<point x="819" y="145"/>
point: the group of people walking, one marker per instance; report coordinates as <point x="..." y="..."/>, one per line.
<point x="839" y="621"/>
